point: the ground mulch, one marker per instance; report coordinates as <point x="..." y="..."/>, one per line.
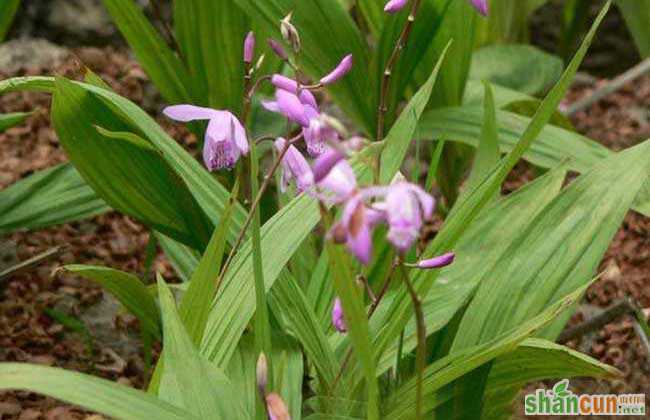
<point x="28" y="334"/>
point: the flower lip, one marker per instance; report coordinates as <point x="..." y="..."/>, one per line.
<point x="225" y="137"/>
<point x="341" y="70"/>
<point x="325" y="162"/>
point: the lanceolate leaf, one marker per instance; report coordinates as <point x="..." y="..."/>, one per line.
<point x="521" y="67"/>
<point x="478" y="249"/>
<point x="123" y="168"/>
<point x="288" y="301"/>
<point x="464" y="124"/>
<point x="128" y="289"/>
<point x="399" y="314"/>
<point x="637" y="18"/>
<point x="440" y="374"/>
<point x="92" y="393"/>
<point x="211" y="195"/>
<point x="199" y="386"/>
<point x="534" y="360"/>
<point x="10" y="120"/>
<point x="49" y="197"/>
<point x="161" y="64"/>
<point x="487" y="154"/>
<point x="195" y="305"/>
<point x="400" y="136"/>
<point x="8" y="9"/>
<point x="211" y="35"/>
<point x="558" y="252"/>
<point x="287" y="367"/>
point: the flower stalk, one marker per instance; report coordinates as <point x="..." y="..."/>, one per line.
<point x="390" y="64"/>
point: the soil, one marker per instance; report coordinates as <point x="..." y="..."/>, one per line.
<point x="29" y="334"/>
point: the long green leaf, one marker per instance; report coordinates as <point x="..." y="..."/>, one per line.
<point x="50" y="197"/>
<point x="559" y="251"/>
<point x="637" y="17"/>
<point x="287" y="367"/>
<point x="288" y="302"/>
<point x="487" y="154"/>
<point x="440" y="374"/>
<point x="195" y="305"/>
<point x="211" y="35"/>
<point x="161" y="64"/>
<point x="356" y="321"/>
<point x="12" y="119"/>
<point x="100" y="395"/>
<point x="128" y="290"/>
<point x="123" y="168"/>
<point x="399" y="314"/>
<point x="534" y="360"/>
<point x="400" y="136"/>
<point x="200" y="387"/>
<point x="8" y="10"/>
<point x="523" y="68"/>
<point x="478" y="249"/>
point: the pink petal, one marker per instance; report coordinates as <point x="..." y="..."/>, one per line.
<point x="187" y="113"/>
<point x="394" y="6"/>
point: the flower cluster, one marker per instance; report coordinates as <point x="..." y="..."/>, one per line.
<point x="402" y="206"/>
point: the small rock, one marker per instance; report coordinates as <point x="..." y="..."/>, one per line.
<point x="21" y="54"/>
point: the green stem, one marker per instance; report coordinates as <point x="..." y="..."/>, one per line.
<point x="420" y="352"/>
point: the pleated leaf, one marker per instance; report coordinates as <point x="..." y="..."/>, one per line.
<point x="128" y="290"/>
<point x="124" y="169"/>
<point x="157" y="59"/>
<point x="95" y="394"/>
<point x="50" y="197"/>
<point x="535" y="360"/>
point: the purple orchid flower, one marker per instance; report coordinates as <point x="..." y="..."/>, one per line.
<point x="341" y="70"/>
<point x="249" y="47"/>
<point x="294" y="166"/>
<point x="394" y="6"/>
<point x="225" y="137"/>
<point x="481" y="6"/>
<point x="303" y="109"/>
<point x="324" y="164"/>
<point x="356" y="226"/>
<point x="406" y="205"/>
<point x="437" y="262"/>
<point x="338" y="318"/>
<point x="338" y="185"/>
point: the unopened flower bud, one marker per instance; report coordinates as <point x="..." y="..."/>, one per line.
<point x="276" y="408"/>
<point x="249" y="47"/>
<point x="341" y="70"/>
<point x="262" y="373"/>
<point x="481" y="6"/>
<point x="437" y="262"/>
<point x="394" y="6"/>
<point x="338" y="320"/>
<point x="278" y="49"/>
<point x="290" y="33"/>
